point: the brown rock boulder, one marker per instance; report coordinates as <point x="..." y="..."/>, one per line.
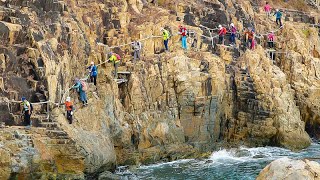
<point x="287" y="169"/>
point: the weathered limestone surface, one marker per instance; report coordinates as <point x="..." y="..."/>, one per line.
<point x="286" y="169"/>
<point x="174" y="105"/>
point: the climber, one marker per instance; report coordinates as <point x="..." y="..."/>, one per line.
<point x="183" y="33"/>
<point x="233" y="31"/>
<point x="267" y="9"/>
<point x="278" y="15"/>
<point x="249" y="38"/>
<point x="222" y="33"/>
<point x="252" y="39"/>
<point x="115" y="59"/>
<point x="166" y="37"/>
<point x="27" y="111"/>
<point x="69" y="109"/>
<point x="246" y="38"/>
<point x="136" y="45"/>
<point x="271" y="38"/>
<point x="93" y="73"/>
<point x="81" y="88"/>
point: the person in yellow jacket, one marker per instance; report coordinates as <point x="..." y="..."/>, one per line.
<point x="115" y="59"/>
<point x="166" y="37"/>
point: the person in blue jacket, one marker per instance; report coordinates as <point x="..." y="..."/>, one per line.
<point x="278" y="15"/>
<point x="93" y="73"/>
<point x="81" y="88"/>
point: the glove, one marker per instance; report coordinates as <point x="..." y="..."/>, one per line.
<point x="71" y="112"/>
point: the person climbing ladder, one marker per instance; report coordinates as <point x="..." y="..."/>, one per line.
<point x="271" y="38"/>
<point x="27" y="111"/>
<point x="81" y="87"/>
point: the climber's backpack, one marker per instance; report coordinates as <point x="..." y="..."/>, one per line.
<point x="31" y="107"/>
<point x="224" y="32"/>
<point x="84" y="85"/>
<point x="118" y="57"/>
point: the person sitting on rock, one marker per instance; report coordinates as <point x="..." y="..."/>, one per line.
<point x="69" y="109"/>
<point x="267" y="9"/>
<point x="27" y="111"/>
<point x="166" y="37"/>
<point x="93" y="70"/>
<point x="81" y="88"/>
<point x="278" y="15"/>
<point x="271" y="38"/>
<point x="222" y="33"/>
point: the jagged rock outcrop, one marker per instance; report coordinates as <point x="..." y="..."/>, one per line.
<point x="286" y="168"/>
<point x="172" y="105"/>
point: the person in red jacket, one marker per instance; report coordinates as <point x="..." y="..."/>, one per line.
<point x="222" y="33"/>
<point x="183" y="33"/>
<point x="267" y="9"/>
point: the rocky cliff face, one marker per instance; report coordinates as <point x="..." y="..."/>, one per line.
<point x="174" y="105"/>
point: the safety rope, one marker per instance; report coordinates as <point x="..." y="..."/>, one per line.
<point x="37" y="103"/>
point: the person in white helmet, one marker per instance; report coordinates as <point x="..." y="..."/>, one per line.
<point x="69" y="109"/>
<point x="233" y="31"/>
<point x="93" y="70"/>
<point x="278" y="15"/>
<point x="166" y="37"/>
<point x="222" y="33"/>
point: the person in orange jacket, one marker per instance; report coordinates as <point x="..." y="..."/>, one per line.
<point x="69" y="108"/>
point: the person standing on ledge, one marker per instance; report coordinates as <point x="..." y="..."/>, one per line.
<point x="136" y="45"/>
<point x="166" y="37"/>
<point x="278" y="15"/>
<point x="233" y="31"/>
<point x="267" y="9"/>
<point x="26" y="110"/>
<point x="222" y="33"/>
<point x="183" y="33"/>
<point x="115" y="60"/>
<point x="93" y="70"/>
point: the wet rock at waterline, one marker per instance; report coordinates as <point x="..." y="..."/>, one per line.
<point x="288" y="169"/>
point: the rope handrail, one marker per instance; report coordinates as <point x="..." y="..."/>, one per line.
<point x="35" y="103"/>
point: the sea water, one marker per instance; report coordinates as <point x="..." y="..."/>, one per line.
<point x="234" y="164"/>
